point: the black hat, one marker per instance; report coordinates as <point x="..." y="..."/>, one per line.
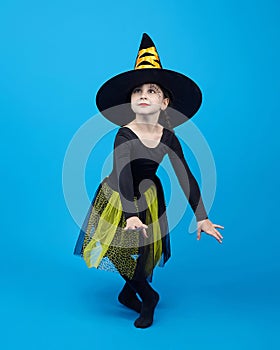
<point x="185" y="95"/>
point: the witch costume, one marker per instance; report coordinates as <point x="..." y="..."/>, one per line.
<point x="133" y="188"/>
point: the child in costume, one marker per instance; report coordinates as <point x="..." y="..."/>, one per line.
<point x="126" y="228"/>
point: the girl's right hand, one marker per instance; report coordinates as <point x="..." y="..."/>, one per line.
<point x="134" y="223"/>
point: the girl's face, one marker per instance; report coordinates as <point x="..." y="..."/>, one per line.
<point x="148" y="99"/>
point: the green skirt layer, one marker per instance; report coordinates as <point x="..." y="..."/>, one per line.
<point x="104" y="244"/>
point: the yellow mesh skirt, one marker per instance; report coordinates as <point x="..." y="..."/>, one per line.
<point x="104" y="244"/>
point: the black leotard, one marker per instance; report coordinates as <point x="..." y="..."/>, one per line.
<point x="134" y="162"/>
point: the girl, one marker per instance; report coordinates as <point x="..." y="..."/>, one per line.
<point x="126" y="228"/>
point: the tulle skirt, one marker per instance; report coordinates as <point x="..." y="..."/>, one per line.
<point x="104" y="244"/>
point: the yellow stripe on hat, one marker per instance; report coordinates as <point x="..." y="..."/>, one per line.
<point x="152" y="58"/>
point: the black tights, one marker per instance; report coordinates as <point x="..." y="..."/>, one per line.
<point x="148" y="296"/>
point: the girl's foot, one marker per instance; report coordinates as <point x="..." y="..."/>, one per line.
<point x="147" y="312"/>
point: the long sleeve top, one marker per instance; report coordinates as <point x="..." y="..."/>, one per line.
<point x="134" y="162"/>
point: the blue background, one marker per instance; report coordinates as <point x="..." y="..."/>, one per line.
<point x="54" y="57"/>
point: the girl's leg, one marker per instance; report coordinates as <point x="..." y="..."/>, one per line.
<point x="128" y="298"/>
<point x="149" y="298"/>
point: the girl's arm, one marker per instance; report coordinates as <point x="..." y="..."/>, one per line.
<point x="122" y="157"/>
<point x="192" y="191"/>
<point x="186" y="178"/>
<point x="122" y="151"/>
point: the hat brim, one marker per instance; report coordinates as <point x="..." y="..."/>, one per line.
<point x="185" y="94"/>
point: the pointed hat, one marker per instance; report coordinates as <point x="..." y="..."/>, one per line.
<point x="185" y="95"/>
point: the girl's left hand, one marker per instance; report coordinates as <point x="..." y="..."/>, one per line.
<point x="209" y="228"/>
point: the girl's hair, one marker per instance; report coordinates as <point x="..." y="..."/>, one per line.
<point x="164" y="120"/>
<point x="164" y="117"/>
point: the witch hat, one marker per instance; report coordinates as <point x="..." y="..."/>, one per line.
<point x="113" y="97"/>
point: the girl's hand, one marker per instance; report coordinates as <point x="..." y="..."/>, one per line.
<point x="134" y="223"/>
<point x="208" y="227"/>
